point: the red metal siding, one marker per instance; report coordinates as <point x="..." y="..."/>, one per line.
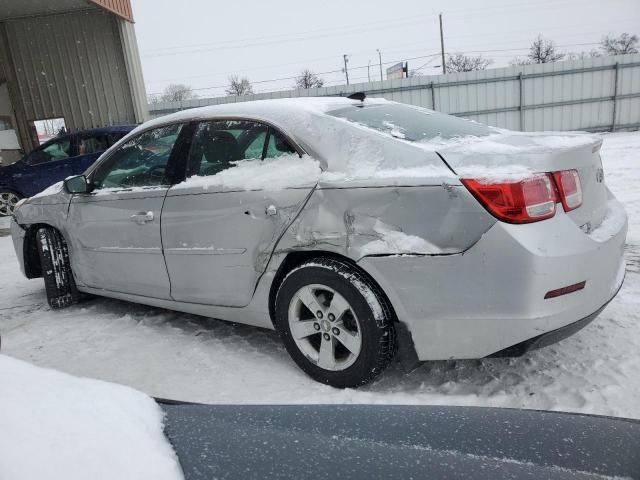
<point x="121" y="8"/>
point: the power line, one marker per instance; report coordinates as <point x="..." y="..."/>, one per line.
<point x="293" y="77"/>
<point x="359" y="67"/>
<point x="334" y="31"/>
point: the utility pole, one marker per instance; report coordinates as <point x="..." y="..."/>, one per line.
<point x="444" y="65"/>
<point x="346" y="71"/>
<point x="380" y="58"/>
<point x="369" y="70"/>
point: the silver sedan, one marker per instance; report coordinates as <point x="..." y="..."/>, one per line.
<point x="359" y="229"/>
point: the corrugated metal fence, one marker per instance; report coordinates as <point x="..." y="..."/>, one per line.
<point x="595" y="94"/>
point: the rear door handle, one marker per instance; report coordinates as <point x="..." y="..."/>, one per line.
<point x="142" y="217"/>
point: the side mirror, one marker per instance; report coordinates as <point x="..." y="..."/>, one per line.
<point x="77" y="184"/>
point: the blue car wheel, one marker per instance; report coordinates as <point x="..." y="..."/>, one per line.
<point x="8" y="201"/>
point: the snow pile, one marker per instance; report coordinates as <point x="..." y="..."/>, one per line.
<point x="395" y="241"/>
<point x="394" y="130"/>
<point x="507" y="142"/>
<point x="269" y="174"/>
<point x="495" y="173"/>
<point x="53" y="425"/>
<point x="613" y="221"/>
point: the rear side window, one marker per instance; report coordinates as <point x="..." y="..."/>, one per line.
<point x="278" y="146"/>
<point x="410" y="123"/>
<point x="93" y="144"/>
<point x="218" y="144"/>
<point x="112" y="138"/>
<point x="88" y="144"/>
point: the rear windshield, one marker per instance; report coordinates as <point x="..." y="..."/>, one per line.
<point x="410" y="123"/>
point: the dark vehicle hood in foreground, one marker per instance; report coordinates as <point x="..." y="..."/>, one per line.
<point x="367" y="441"/>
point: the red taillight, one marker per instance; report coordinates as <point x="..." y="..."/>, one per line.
<point x="519" y="201"/>
<point x="568" y="183"/>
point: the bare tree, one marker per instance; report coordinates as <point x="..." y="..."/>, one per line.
<point x="239" y="86"/>
<point x="465" y="63"/>
<point x="308" y="79"/>
<point x="174" y="92"/>
<point x="582" y="55"/>
<point x="541" y="51"/>
<point x="621" y="45"/>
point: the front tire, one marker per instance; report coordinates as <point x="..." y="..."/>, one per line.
<point x="56" y="268"/>
<point x="335" y="323"/>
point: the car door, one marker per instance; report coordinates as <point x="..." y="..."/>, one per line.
<point x="115" y="229"/>
<point x="217" y="235"/>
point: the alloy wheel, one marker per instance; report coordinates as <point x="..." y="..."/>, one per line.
<point x="325" y="327"/>
<point x="8" y="201"/>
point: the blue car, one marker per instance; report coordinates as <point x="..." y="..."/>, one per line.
<point x="53" y="161"/>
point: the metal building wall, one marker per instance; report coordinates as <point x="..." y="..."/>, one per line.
<point x="70" y="65"/>
<point x="572" y="95"/>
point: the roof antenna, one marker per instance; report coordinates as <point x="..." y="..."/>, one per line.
<point x="357" y="96"/>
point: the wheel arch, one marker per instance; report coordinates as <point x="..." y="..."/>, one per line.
<point x="9" y="188"/>
<point x="406" y="352"/>
<point x="297" y="258"/>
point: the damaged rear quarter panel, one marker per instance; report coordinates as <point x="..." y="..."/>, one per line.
<point x="348" y="221"/>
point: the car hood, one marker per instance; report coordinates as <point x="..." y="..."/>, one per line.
<point x="371" y="441"/>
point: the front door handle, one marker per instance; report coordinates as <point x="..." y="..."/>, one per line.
<point x="142" y="217"/>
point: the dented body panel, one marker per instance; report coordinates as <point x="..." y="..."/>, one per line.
<point x="354" y="222"/>
<point x="217" y="243"/>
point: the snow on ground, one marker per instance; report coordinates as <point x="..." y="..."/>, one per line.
<point x="53" y="425"/>
<point x="174" y="355"/>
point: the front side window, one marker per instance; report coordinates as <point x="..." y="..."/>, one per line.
<point x="140" y="162"/>
<point x="56" y="150"/>
<point x="411" y="123"/>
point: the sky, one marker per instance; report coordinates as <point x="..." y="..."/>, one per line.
<point x="202" y="42"/>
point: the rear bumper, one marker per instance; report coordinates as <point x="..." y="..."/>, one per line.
<point x="549" y="338"/>
<point x="492" y="296"/>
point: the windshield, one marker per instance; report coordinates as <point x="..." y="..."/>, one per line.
<point x="410" y="123"/>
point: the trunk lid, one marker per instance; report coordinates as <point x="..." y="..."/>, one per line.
<point x="504" y="156"/>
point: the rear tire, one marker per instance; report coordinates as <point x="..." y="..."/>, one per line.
<point x="335" y="323"/>
<point x="56" y="268"/>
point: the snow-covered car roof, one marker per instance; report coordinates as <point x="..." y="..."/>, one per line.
<point x="352" y="147"/>
<point x="285" y="110"/>
<point x="338" y="144"/>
